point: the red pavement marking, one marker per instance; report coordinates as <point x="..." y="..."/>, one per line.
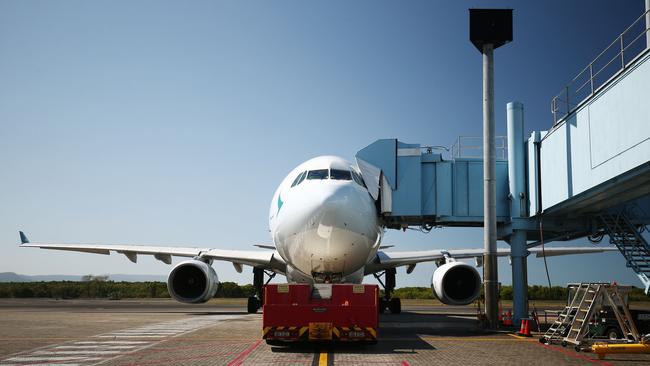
<point x="242" y="356"/>
<point x="405" y="363"/>
<point x="574" y="354"/>
<point x="176" y="360"/>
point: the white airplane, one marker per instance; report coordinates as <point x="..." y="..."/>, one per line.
<point x="325" y="229"/>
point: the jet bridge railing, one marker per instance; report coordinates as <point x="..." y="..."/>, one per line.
<point x="471" y="147"/>
<point x="614" y="59"/>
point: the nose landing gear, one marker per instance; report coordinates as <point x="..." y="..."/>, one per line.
<point x="393" y="304"/>
<point x="255" y="302"/>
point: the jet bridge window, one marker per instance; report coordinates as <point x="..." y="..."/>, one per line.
<point x="299" y="179"/>
<point x="317" y="174"/>
<point x="339" y="174"/>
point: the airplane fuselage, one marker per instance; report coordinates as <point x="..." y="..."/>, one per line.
<point x="324" y="223"/>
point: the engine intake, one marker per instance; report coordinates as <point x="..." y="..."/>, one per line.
<point x="193" y="282"/>
<point x="456" y="283"/>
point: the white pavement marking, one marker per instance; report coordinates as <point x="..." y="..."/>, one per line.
<point x="113" y="342"/>
<point x="55" y="358"/>
<point x="99" y="349"/>
<point x="130" y="336"/>
<point x="94" y="346"/>
<point x="80" y="353"/>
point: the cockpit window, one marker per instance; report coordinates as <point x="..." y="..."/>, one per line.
<point x="340" y="174"/>
<point x="317" y="174"/>
<point x="302" y="177"/>
<point x="357" y="178"/>
<point x="299" y="179"/>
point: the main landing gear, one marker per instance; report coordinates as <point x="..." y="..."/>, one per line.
<point x="255" y="302"/>
<point x="394" y="304"/>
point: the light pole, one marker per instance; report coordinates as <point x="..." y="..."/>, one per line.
<point x="488" y="30"/>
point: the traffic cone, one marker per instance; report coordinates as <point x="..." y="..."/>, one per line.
<point x="524" y="330"/>
<point x="507" y="319"/>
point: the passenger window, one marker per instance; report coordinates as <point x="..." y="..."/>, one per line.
<point x="317" y="174"/>
<point x="340" y="174"/>
<point x="299" y="179"/>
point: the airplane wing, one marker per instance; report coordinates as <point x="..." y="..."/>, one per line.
<point x="263" y="259"/>
<point x="386" y="260"/>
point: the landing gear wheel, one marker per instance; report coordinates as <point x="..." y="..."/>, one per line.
<point x="395" y="305"/>
<point x="253" y="305"/>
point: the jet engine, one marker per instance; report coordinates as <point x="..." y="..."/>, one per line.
<point x="192" y="281"/>
<point x="456" y="283"/>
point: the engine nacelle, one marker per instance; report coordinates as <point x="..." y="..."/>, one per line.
<point x="192" y="281"/>
<point x="456" y="283"/>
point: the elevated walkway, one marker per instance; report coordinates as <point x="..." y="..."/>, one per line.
<point x="599" y="155"/>
<point x="417" y="187"/>
<point x="582" y="178"/>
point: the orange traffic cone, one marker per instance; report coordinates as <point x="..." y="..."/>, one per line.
<point x="507" y="319"/>
<point x="524" y="331"/>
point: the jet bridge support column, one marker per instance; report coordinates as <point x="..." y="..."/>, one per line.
<point x="518" y="203"/>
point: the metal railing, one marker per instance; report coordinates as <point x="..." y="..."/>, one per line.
<point x="472" y="147"/>
<point x="614" y="59"/>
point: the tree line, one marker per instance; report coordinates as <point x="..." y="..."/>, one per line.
<point x="101" y="288"/>
<point x="106" y="289"/>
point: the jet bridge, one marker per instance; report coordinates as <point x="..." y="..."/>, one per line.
<point x="416" y="186"/>
<point x="587" y="176"/>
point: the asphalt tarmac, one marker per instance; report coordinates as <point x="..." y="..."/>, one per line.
<point x="164" y="332"/>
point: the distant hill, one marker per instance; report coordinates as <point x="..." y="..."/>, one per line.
<point x="14" y="277"/>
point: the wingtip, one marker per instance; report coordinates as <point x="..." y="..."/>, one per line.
<point x="23" y="238"/>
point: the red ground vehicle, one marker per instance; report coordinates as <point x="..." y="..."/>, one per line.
<point x="322" y="312"/>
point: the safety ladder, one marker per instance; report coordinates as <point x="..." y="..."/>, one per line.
<point x="595" y="298"/>
<point x="584" y="312"/>
<point x="629" y="241"/>
<point x="557" y="331"/>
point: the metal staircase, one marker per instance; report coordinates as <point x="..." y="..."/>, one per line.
<point x="629" y="241"/>
<point x="587" y="292"/>
<point x="574" y="324"/>
<point x="559" y="329"/>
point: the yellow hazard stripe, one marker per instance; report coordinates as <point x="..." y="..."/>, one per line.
<point x="372" y="332"/>
<point x="336" y="332"/>
<point x="302" y="331"/>
<point x="265" y="330"/>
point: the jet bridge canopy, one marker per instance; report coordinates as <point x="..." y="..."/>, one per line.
<point x="416" y="186"/>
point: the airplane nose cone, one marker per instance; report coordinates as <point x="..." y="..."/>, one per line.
<point x="343" y="231"/>
<point x="328" y="228"/>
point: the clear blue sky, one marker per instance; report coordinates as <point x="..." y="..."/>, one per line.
<point x="173" y="122"/>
